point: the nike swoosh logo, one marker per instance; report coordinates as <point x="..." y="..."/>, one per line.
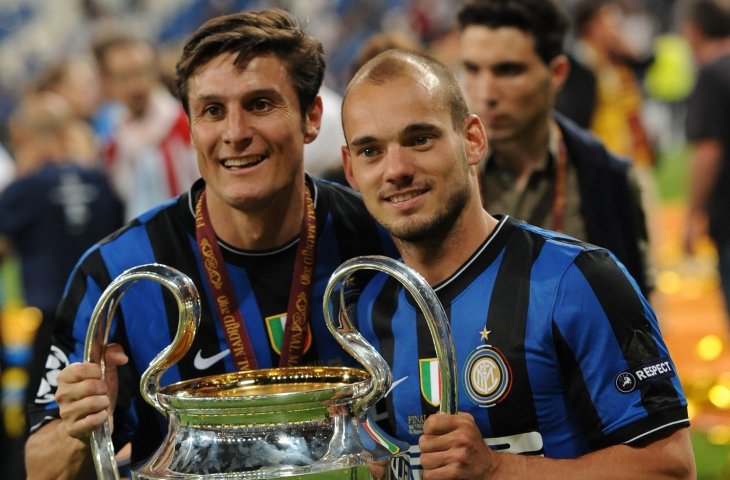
<point x="205" y="363"/>
<point x="395" y="384"/>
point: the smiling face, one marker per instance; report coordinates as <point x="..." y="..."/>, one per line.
<point x="404" y="155"/>
<point x="506" y="83"/>
<point x="247" y="128"/>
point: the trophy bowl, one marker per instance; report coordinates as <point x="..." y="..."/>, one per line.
<point x="290" y="422"/>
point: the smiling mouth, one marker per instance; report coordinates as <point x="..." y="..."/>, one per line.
<point x="242" y="162"/>
<point x="404" y="197"/>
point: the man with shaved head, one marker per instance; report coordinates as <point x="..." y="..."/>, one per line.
<point x="560" y="357"/>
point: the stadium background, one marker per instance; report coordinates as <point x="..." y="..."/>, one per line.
<point x="36" y="33"/>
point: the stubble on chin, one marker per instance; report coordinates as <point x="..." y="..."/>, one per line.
<point x="437" y="227"/>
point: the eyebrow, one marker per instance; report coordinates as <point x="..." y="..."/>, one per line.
<point x="364" y="140"/>
<point x="412" y="129"/>
<point x="260" y="92"/>
<point x="421" y="128"/>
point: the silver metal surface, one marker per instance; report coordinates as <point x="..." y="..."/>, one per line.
<point x="294" y="422"/>
<point x="427" y="302"/>
<point x="97" y="337"/>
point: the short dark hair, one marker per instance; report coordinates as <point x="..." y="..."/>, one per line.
<point x="712" y="17"/>
<point x="115" y="38"/>
<point x="395" y="62"/>
<point x="543" y="19"/>
<point x="251" y="34"/>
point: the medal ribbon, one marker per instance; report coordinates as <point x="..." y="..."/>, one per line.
<point x="226" y="305"/>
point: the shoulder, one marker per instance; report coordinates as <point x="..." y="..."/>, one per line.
<point x="585" y="149"/>
<point x="555" y="242"/>
<point x="339" y="201"/>
<point x="333" y="190"/>
<point x="340" y="210"/>
<point x="33" y="184"/>
<point x="560" y="253"/>
<point x="166" y="223"/>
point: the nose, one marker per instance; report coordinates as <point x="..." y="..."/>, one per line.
<point x="237" y="129"/>
<point x="399" y="168"/>
<point x="484" y="88"/>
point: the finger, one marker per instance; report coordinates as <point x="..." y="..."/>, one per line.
<point x="114" y="355"/>
<point x="82" y="401"/>
<point x="433" y="460"/>
<point x="81" y="417"/>
<point x="441" y="423"/>
<point x="84" y="426"/>
<point x="78" y="372"/>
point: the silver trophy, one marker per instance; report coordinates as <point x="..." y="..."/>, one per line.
<point x="293" y="422"/>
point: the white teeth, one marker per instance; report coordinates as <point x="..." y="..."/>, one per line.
<point x="404" y="197"/>
<point x="242" y="162"/>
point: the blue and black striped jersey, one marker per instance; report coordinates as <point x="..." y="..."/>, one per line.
<point x="558" y="353"/>
<point x="147" y="317"/>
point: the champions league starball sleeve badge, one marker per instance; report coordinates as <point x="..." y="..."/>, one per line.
<point x="293" y="422"/>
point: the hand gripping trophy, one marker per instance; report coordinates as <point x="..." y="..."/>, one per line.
<point x="292" y="422"/>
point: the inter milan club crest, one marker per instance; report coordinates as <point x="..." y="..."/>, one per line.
<point x="275" y="325"/>
<point x="430" y="380"/>
<point x="487" y="375"/>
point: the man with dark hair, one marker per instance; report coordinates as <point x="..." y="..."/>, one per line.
<point x="559" y="355"/>
<point x="541" y="167"/>
<point x="249" y="84"/>
<point x="708" y="130"/>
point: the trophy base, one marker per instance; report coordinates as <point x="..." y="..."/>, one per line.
<point x="396" y="467"/>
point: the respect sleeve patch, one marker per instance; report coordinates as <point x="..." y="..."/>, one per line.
<point x="652" y="371"/>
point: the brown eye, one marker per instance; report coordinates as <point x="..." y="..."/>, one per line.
<point x="213" y="110"/>
<point x="260" y="105"/>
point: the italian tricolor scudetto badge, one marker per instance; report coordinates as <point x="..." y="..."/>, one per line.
<point x="430" y="380"/>
<point x="275" y="325"/>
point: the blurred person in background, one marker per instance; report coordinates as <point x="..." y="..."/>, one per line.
<point x="56" y="208"/>
<point x="604" y="88"/>
<point x="76" y="81"/>
<point x="50" y="214"/>
<point x="604" y="48"/>
<point x="541" y="167"/>
<point x="148" y="156"/>
<point x="707" y="30"/>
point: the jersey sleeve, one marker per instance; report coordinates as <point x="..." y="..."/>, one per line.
<point x="621" y="382"/>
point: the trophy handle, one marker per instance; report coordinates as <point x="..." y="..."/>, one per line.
<point x="358" y="347"/>
<point x="188" y="302"/>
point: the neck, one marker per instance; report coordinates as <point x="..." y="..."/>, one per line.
<point x="260" y="229"/>
<point x="439" y="259"/>
<point x="521" y="155"/>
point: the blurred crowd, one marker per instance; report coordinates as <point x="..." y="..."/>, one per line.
<point x="92" y="135"/>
